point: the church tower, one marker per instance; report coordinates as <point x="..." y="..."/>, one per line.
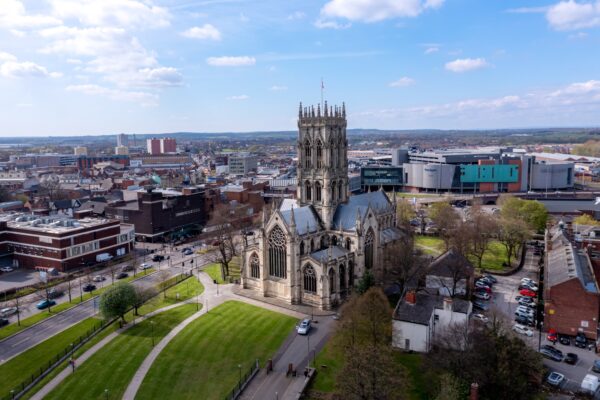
<point x="322" y="159"/>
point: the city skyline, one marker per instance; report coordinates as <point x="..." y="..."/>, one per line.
<point x="82" y="67"/>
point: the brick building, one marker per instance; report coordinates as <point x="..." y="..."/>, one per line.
<point x="247" y="193"/>
<point x="59" y="242"/>
<point x="571" y="292"/>
<point x="161" y="146"/>
<point x="160" y="215"/>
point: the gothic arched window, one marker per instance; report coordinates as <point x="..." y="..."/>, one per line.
<point x="369" y="249"/>
<point x="332" y="152"/>
<point x="301" y="248"/>
<point x="310" y="279"/>
<point x="319" y="154"/>
<point x="254" y="266"/>
<point x="342" y="277"/>
<point x="331" y="281"/>
<point x="277" y="253"/>
<point x="308" y="190"/>
<point x="323" y="242"/>
<point x="317" y="191"/>
<point x="334" y="240"/>
<point x="307" y="154"/>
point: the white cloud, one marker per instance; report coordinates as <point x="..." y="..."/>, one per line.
<point x="527" y="10"/>
<point x="7" y="57"/>
<point x="466" y="64"/>
<point x="277" y="88"/>
<point x="296" y="16"/>
<point x="377" y="10"/>
<point x="74" y="61"/>
<point x="13" y="15"/>
<point x="228" y="61"/>
<point x="240" y="97"/>
<point x="431" y="50"/>
<point x="321" y="24"/>
<point x="207" y="31"/>
<point x="144" y="98"/>
<point x="571" y="15"/>
<point x="125" y="13"/>
<point x="403" y="82"/>
<point x="579" y="35"/>
<point x="25" y="69"/>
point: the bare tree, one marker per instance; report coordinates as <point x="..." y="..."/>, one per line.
<point x="512" y="233"/>
<point x="405" y="212"/>
<point x="142" y="295"/>
<point x="224" y="236"/>
<point x="52" y="188"/>
<point x="403" y="263"/>
<point x="445" y="218"/>
<point x="164" y="282"/>
<point x="483" y="228"/>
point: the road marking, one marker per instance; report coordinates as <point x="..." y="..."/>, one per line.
<point x="20" y="342"/>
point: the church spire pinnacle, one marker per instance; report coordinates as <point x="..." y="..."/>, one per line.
<point x="300" y="111"/>
<point x="292" y="218"/>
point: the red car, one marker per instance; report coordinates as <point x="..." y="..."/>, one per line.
<point x="484" y="290"/>
<point x="552" y="336"/>
<point x="527" y="292"/>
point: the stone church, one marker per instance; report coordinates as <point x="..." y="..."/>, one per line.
<point x="313" y="249"/>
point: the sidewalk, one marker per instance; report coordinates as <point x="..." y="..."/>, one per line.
<point x="298" y="308"/>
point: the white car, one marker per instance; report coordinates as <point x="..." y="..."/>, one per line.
<point x="5" y="312"/>
<point x="7" y="269"/>
<point x="99" y="278"/>
<point x="481" y="317"/>
<point x="146" y="266"/>
<point x="525" y="309"/>
<point x="527" y="281"/>
<point x="523" y="330"/>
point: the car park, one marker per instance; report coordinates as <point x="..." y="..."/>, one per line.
<point x="99" y="278"/>
<point x="89" y="287"/>
<point x="304" y="327"/>
<point x="482" y="295"/>
<point x="523" y="330"/>
<point x="571" y="358"/>
<point x="7" y="269"/>
<point x="122" y="275"/>
<point x="45" y="304"/>
<point x="8" y="311"/>
<point x="555" y="378"/>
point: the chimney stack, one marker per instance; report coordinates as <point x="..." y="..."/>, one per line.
<point x="447" y="304"/>
<point x="411" y="297"/>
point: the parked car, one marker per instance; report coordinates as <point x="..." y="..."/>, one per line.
<point x="89" y="287"/>
<point x="525" y="320"/>
<point x="519" y="313"/>
<point x="145" y="266"/>
<point x="7" y="269"/>
<point x="158" y="257"/>
<point x="45" y="304"/>
<point x="527" y="292"/>
<point x="491" y="278"/>
<point x="528" y="281"/>
<point x="487" y="281"/>
<point x="8" y="311"/>
<point x="564" y="340"/>
<point x="571" y="358"/>
<point x="555" y="378"/>
<point x="122" y="275"/>
<point x="590" y="384"/>
<point x="482" y="295"/>
<point x="525" y="310"/>
<point x="528" y="286"/>
<point x="483" y="289"/>
<point x="481" y="317"/>
<point x="528" y="304"/>
<point x="304" y="327"/>
<point x="99" y="278"/>
<point x="55" y="293"/>
<point x="481" y="305"/>
<point x="523" y="330"/>
<point x="552" y="336"/>
<point x="127" y="268"/>
<point x="596" y="366"/>
<point x="3" y="322"/>
<point x="552" y="353"/>
<point x="581" y="340"/>
<point x="482" y="284"/>
<point x="187" y="252"/>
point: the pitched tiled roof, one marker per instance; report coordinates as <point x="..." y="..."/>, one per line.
<point x="306" y="219"/>
<point x="345" y="215"/>
<point x="323" y="255"/>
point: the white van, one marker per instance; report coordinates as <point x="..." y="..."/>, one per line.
<point x="590" y="383"/>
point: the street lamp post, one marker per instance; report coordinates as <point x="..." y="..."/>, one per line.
<point x="152" y="334"/>
<point x="308" y="349"/>
<point x="240" y="369"/>
<point x="106" y="394"/>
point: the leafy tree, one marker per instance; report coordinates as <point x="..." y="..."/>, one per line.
<point x="451" y="388"/>
<point x="404" y="212"/>
<point x="142" y="295"/>
<point x="445" y="218"/>
<point x="586" y="219"/>
<point x="117" y="300"/>
<point x="532" y="212"/>
<point x="364" y="335"/>
<point x="365" y="282"/>
<point x="513" y="232"/>
<point x="483" y="228"/>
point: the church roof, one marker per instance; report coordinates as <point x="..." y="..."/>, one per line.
<point x="305" y="217"/>
<point x="345" y="215"/>
<point x="323" y="255"/>
<point x="390" y="234"/>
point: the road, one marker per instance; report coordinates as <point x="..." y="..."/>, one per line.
<point x="296" y="350"/>
<point x="504" y="299"/>
<point x="23" y="340"/>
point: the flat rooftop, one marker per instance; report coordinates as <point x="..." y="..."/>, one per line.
<point x="51" y="224"/>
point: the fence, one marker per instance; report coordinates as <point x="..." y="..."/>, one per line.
<point x="56" y="361"/>
<point x="243" y="382"/>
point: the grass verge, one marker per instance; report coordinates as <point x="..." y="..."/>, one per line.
<point x="112" y="368"/>
<point x="202" y="361"/>
<point x="214" y="271"/>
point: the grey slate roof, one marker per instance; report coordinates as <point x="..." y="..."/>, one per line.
<point x="306" y="219"/>
<point x="345" y="215"/>
<point x="420" y="313"/>
<point x="336" y="252"/>
<point x="446" y="264"/>
<point x="390" y="234"/>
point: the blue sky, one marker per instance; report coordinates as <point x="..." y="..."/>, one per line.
<point x="72" y="67"/>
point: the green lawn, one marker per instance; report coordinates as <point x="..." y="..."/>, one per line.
<point x="113" y="366"/>
<point x="330" y="361"/>
<point x="214" y="270"/>
<point x="430" y="245"/>
<point x="42" y="315"/>
<point x="494" y="256"/>
<point x="186" y="289"/>
<point x="20" y="368"/>
<point x="202" y="361"/>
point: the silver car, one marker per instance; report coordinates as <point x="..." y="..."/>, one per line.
<point x="5" y="312"/>
<point x="304" y="327"/>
